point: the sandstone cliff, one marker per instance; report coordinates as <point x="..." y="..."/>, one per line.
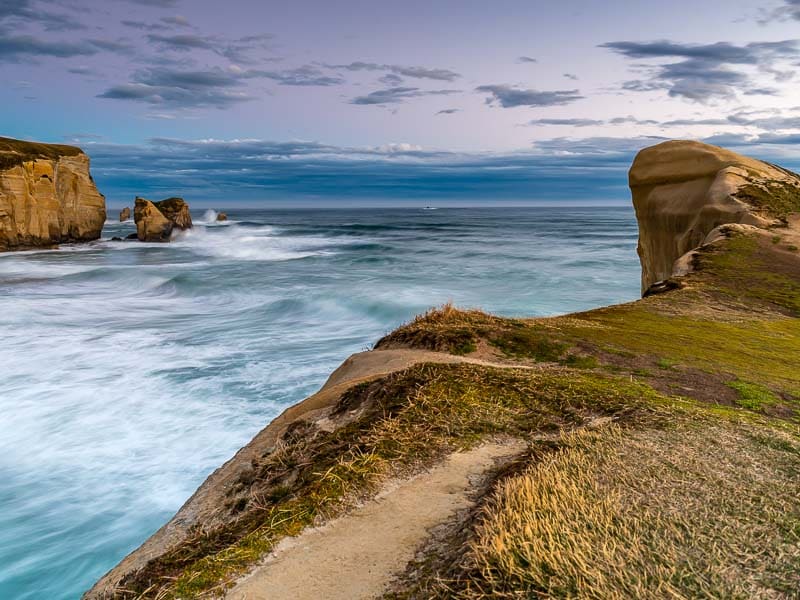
<point x="682" y="190"/>
<point x="155" y="221"/>
<point x="47" y="196"/>
<point x="687" y="399"/>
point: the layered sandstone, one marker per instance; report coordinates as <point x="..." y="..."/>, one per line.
<point x="47" y="196"/>
<point x="683" y="190"/>
<point x="155" y="221"/>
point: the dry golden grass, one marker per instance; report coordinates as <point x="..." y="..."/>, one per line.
<point x="694" y="511"/>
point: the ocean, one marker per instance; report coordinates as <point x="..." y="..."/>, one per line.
<point x="130" y="371"/>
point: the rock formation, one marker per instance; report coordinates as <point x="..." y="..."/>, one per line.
<point x="151" y="224"/>
<point x="124" y="214"/>
<point x="177" y="211"/>
<point x="222" y="217"/>
<point x="47" y="196"/>
<point x="683" y="190"/>
<point x="155" y="221"/>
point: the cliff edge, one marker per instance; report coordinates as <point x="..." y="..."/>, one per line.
<point x="649" y="449"/>
<point x="683" y="190"/>
<point x="47" y="196"/>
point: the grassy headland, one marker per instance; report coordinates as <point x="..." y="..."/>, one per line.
<point x="690" y="492"/>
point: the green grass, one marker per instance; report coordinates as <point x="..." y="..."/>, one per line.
<point x="753" y="396"/>
<point x="527" y="342"/>
<point x="777" y="198"/>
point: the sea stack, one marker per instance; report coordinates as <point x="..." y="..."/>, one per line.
<point x="683" y="190"/>
<point x="124" y="214"/>
<point x="155" y="221"/>
<point x="47" y="196"/>
<point x="222" y="217"/>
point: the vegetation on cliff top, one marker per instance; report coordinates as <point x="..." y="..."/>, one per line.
<point x="15" y="152"/>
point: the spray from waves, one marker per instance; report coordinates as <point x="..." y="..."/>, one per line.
<point x="210" y="220"/>
<point x="262" y="243"/>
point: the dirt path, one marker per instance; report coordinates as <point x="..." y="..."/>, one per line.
<point x="355" y="556"/>
<point x="203" y="507"/>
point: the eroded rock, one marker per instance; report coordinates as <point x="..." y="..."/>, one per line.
<point x="151" y="224"/>
<point x="177" y="211"/>
<point x="124" y="214"/>
<point x="155" y="221"/>
<point x="683" y="190"/>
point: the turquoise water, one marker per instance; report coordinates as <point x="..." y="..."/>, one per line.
<point x="130" y="371"/>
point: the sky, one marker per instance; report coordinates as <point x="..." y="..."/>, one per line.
<point x="359" y="102"/>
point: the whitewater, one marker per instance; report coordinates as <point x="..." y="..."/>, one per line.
<point x="130" y="371"/>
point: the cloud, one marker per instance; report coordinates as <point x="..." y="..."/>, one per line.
<point x="157" y="3"/>
<point x="178" y="88"/>
<point x="15" y="48"/>
<point x="526" y="59"/>
<point x="177" y="21"/>
<point x="705" y="71"/>
<point x="182" y="42"/>
<point x="449" y="111"/>
<point x="404" y="71"/>
<point x="754" y="119"/>
<point x="396" y="95"/>
<point x="391" y="80"/>
<point x="790" y="9"/>
<point x="307" y="75"/>
<point x="82" y="71"/>
<point x="118" y="46"/>
<point x="142" y="26"/>
<point x="255" y="169"/>
<point x="510" y="97"/>
<point x="587" y="169"/>
<point x="174" y="96"/>
<point x="240" y="50"/>
<point x="571" y="76"/>
<point x="29" y="11"/>
<point x="569" y="122"/>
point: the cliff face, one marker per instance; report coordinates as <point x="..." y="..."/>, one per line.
<point x="683" y="190"/>
<point x="47" y="196"/>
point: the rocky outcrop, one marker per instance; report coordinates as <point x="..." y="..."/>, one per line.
<point x="155" y="221"/>
<point x="47" y="196"/>
<point x="124" y="214"/>
<point x="683" y="190"/>
<point x="151" y="225"/>
<point x="177" y="211"/>
<point x="222" y="217"/>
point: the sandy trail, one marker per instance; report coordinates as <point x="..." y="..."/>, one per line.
<point x="357" y="555"/>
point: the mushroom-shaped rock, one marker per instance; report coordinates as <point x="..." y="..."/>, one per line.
<point x="124" y="214"/>
<point x="682" y="190"/>
<point x="151" y="224"/>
